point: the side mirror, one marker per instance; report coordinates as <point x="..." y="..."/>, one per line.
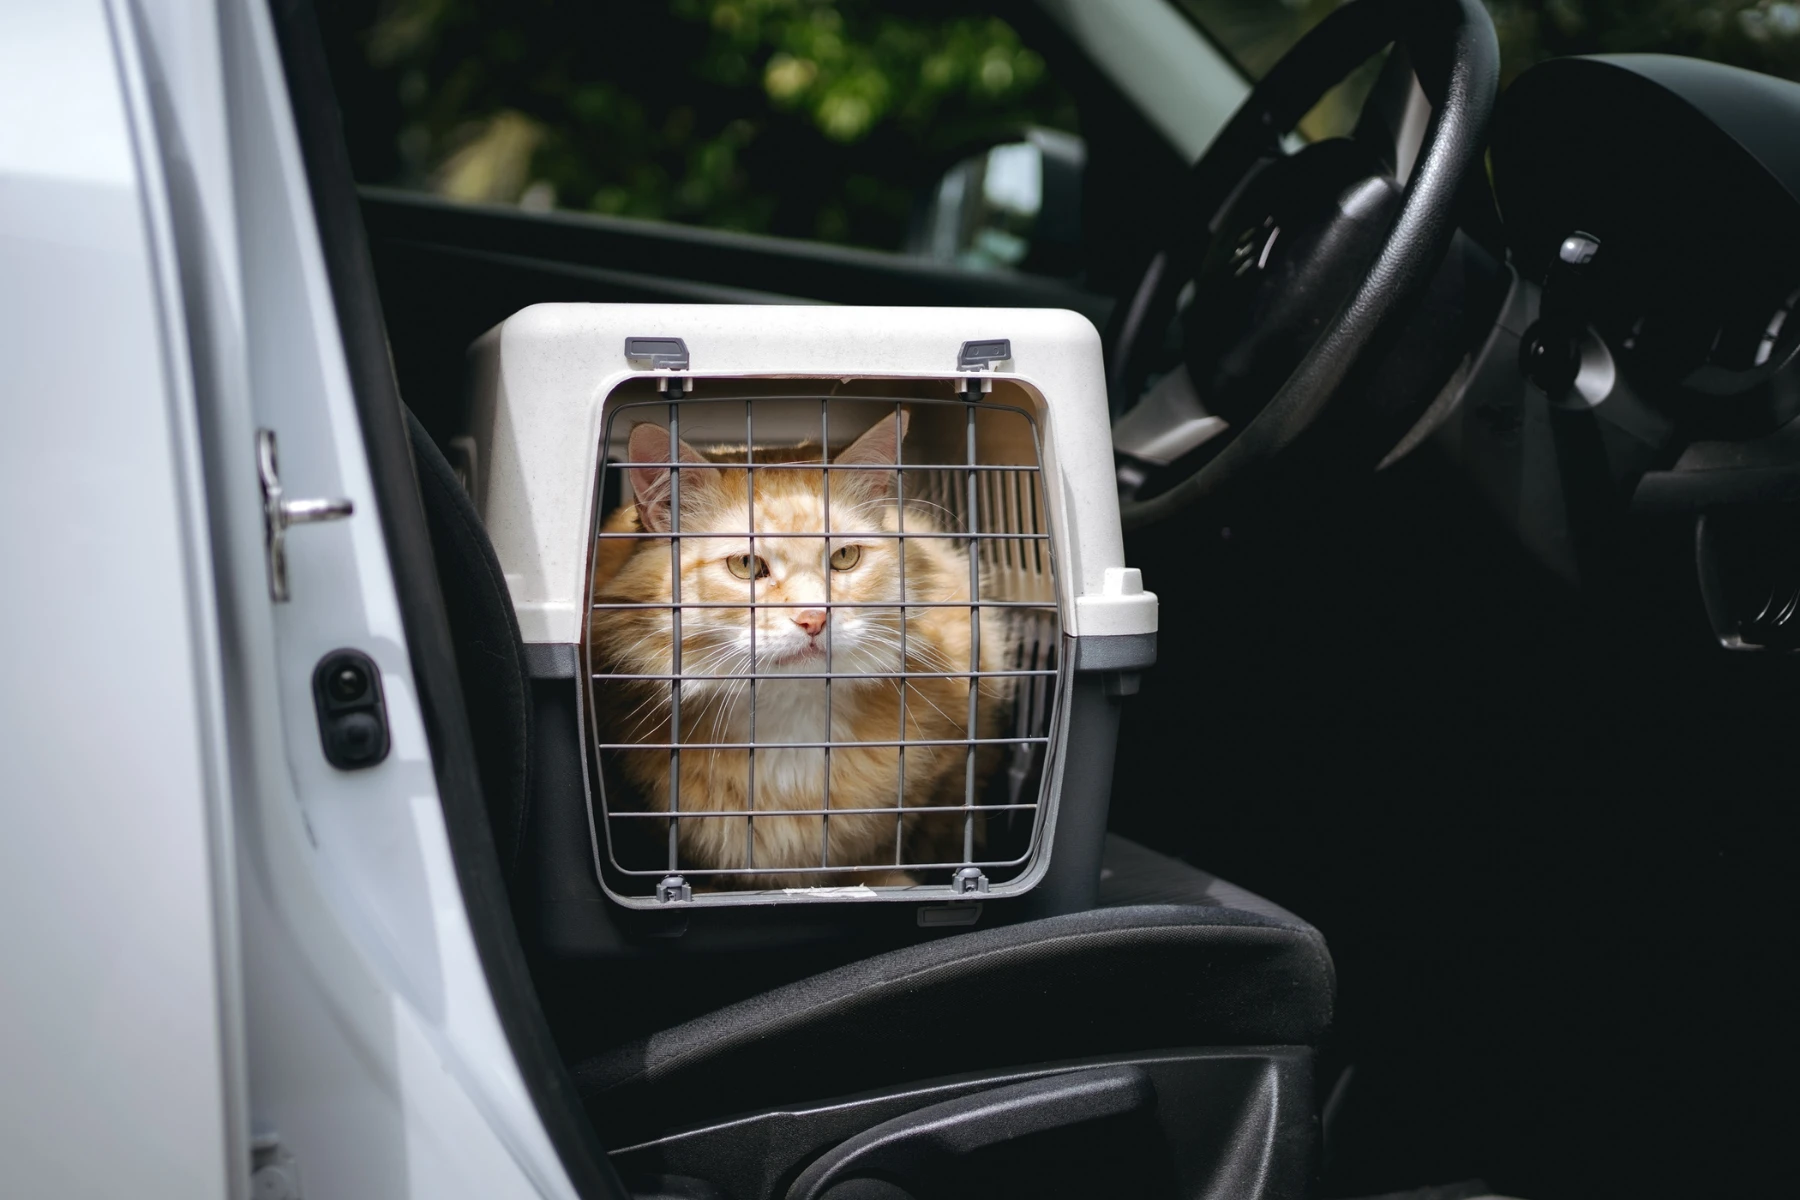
<point x="1015" y="205"/>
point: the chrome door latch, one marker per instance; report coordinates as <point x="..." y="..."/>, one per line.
<point x="278" y="513"/>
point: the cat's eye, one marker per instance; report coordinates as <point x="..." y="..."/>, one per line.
<point x="748" y="566"/>
<point x="846" y="557"/>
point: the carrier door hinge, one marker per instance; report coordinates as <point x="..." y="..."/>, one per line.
<point x="279" y="513"/>
<point x="274" y="1171"/>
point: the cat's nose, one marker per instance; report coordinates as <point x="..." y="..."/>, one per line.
<point x="810" y="619"/>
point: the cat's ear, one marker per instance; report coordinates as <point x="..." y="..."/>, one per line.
<point x="880" y="445"/>
<point x="649" y="444"/>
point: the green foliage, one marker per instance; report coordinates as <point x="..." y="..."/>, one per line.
<point x="849" y="66"/>
<point x="816" y="118"/>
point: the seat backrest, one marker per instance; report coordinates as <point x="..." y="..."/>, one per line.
<point x="490" y="654"/>
<point x="1107" y="981"/>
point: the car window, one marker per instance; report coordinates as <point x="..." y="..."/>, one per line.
<point x="1762" y="35"/>
<point x="832" y="120"/>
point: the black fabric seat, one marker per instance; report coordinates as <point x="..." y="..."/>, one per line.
<point x="490" y="651"/>
<point x="1137" y="977"/>
<point x="1172" y="958"/>
<point x="1134" y="874"/>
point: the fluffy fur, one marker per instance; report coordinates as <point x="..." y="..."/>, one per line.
<point x="717" y="641"/>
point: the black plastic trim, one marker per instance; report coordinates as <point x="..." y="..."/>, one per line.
<point x="336" y="208"/>
<point x="552" y="660"/>
<point x="338" y="709"/>
<point x="1238" y="1121"/>
<point x="928" y="1139"/>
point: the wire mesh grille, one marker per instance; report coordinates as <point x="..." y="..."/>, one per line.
<point x="823" y="647"/>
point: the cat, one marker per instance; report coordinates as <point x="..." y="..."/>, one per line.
<point x="716" y="641"/>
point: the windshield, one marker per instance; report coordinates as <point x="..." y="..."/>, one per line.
<point x="1762" y="35"/>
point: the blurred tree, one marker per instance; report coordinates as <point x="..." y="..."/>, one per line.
<point x="811" y="118"/>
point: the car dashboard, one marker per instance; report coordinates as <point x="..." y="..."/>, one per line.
<point x="1644" y="365"/>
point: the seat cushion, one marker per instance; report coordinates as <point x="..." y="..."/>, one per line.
<point x="1113" y="980"/>
<point x="1134" y="874"/>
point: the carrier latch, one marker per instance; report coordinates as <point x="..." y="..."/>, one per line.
<point x="657" y="353"/>
<point x="981" y="356"/>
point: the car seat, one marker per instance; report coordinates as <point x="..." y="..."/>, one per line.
<point x="1195" y="1001"/>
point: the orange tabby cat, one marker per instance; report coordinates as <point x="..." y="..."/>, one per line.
<point x="790" y="640"/>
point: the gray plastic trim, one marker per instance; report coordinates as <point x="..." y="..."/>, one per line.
<point x="657" y="353"/>
<point x="979" y="356"/>
<point x="1114" y="652"/>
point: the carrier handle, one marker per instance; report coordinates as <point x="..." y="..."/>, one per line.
<point x="928" y="1140"/>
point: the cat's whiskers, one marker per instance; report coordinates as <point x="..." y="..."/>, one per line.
<point x="723" y="660"/>
<point x="706" y="665"/>
<point x="930" y="658"/>
<point x="720" y="731"/>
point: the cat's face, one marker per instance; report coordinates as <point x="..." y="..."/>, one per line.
<point x="808" y="590"/>
<point x="799" y="583"/>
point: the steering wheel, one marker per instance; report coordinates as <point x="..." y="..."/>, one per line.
<point x="1301" y="265"/>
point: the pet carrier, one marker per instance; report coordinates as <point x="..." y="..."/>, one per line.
<point x="823" y="606"/>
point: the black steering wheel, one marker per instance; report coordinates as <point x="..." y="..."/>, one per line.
<point x="1301" y="262"/>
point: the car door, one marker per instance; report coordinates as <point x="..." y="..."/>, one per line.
<point x="120" y="996"/>
<point x="253" y="969"/>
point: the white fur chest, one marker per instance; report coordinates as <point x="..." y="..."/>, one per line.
<point x="793" y="712"/>
<point x="788" y="712"/>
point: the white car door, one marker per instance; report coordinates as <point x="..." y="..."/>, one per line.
<point x="118" y="940"/>
<point x="225" y="960"/>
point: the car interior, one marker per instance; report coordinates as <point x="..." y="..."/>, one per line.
<point x="1473" y="676"/>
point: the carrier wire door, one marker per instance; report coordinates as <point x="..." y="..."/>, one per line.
<point x="751" y="470"/>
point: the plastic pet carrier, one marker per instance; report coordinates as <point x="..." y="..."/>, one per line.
<point x="825" y="608"/>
